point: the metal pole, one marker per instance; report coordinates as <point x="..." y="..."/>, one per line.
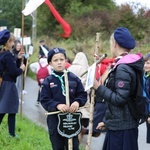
<point x="34" y="25"/>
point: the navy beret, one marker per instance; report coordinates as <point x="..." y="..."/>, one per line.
<point x="54" y="51"/>
<point x="4" y="36"/>
<point x="41" y="41"/>
<point x="124" y="38"/>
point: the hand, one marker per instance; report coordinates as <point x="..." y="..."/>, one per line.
<point x="74" y="107"/>
<point x="101" y="126"/>
<point x="21" y="53"/>
<point x="148" y="120"/>
<point x="63" y="107"/>
<point x="96" y="84"/>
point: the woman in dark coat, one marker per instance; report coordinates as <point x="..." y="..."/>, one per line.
<point x="9" y="70"/>
<point x="120" y="87"/>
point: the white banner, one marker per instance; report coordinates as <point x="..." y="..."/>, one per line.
<point x="31" y="6"/>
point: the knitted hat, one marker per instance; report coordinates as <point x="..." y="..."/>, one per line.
<point x="54" y="51"/>
<point x="4" y="36"/>
<point x="124" y="38"/>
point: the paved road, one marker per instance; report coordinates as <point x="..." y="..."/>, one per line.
<point x="37" y="115"/>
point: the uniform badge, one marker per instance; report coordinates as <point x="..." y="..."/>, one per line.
<point x="120" y="84"/>
<point x="52" y="85"/>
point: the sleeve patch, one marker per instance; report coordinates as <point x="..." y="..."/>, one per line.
<point x="120" y="84"/>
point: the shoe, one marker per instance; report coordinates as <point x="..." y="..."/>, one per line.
<point x="96" y="134"/>
<point x="12" y="136"/>
<point x="37" y="103"/>
<point x="24" y="92"/>
<point x="21" y="101"/>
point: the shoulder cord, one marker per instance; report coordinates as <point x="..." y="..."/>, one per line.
<point x="61" y="81"/>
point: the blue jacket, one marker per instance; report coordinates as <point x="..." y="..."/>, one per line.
<point x="51" y="93"/>
<point x="9" y="100"/>
<point x="51" y="96"/>
<point x="9" y="66"/>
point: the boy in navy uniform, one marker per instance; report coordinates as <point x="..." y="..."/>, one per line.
<point x="53" y="97"/>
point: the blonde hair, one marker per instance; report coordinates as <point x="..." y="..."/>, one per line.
<point x="113" y="40"/>
<point x="112" y="37"/>
<point x="11" y="38"/>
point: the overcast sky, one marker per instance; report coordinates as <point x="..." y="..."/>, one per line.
<point x="142" y="2"/>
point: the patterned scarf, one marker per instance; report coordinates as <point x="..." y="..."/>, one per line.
<point x="61" y="81"/>
<point x="147" y="74"/>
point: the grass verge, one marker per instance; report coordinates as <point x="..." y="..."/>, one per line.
<point x="30" y="136"/>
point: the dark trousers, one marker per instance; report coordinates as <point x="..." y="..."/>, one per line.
<point x="11" y="123"/>
<point x="61" y="143"/>
<point x="39" y="94"/>
<point x="148" y="132"/>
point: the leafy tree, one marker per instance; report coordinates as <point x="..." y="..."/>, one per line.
<point x="11" y="13"/>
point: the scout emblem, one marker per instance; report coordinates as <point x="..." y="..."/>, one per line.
<point x="69" y="124"/>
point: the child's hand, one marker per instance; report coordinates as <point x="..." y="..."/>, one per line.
<point x="21" y="53"/>
<point x="63" y="107"/>
<point x="101" y="126"/>
<point x="148" y="120"/>
<point x="74" y="107"/>
<point x="96" y="84"/>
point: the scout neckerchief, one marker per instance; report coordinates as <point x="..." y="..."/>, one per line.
<point x="147" y="74"/>
<point x="61" y="81"/>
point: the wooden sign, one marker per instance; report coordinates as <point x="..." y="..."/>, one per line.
<point x="31" y="48"/>
<point x="69" y="124"/>
<point x="17" y="32"/>
<point x="26" y="41"/>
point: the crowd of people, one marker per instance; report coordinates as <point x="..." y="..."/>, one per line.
<point x="115" y="84"/>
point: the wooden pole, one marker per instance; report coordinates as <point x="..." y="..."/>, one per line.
<point x="92" y="103"/>
<point x="97" y="62"/>
<point x="70" y="147"/>
<point x="27" y="61"/>
<point x="22" y="62"/>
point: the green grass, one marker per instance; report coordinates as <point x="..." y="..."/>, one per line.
<point x="30" y="136"/>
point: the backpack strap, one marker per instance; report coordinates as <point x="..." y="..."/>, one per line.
<point x="40" y="65"/>
<point x="44" y="66"/>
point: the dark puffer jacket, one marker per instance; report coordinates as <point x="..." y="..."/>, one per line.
<point x="120" y="87"/>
